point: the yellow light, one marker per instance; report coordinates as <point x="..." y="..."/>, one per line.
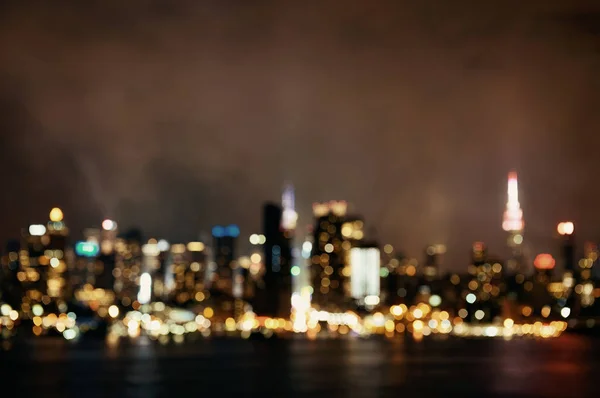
<point x="546" y="311"/>
<point x="418" y="326"/>
<point x="347" y="230"/>
<point x="56" y="215"/>
<point x="195" y="246"/>
<point x="230" y="324"/>
<point x="389" y="325"/>
<point x="208" y="312"/>
<point x="508" y="323"/>
<point x="396" y="310"/>
<point x="255" y="258"/>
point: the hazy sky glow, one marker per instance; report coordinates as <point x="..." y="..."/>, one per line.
<point x="178" y="117"/>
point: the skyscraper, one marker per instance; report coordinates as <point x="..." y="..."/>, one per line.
<point x="224" y="241"/>
<point x="274" y="298"/>
<point x="289" y="217"/>
<point x="513" y="224"/>
<point x="335" y="233"/>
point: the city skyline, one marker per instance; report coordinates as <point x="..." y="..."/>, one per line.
<point x="513" y="222"/>
<point x="413" y="122"/>
<point x="340" y="198"/>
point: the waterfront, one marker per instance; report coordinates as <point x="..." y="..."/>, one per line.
<point x="373" y="367"/>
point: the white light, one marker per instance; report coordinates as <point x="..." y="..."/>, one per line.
<point x="569" y="228"/>
<point x="479" y="314"/>
<point x="37" y="310"/>
<point x="254" y="239"/>
<point x="435" y="300"/>
<point x="163" y="245"/>
<point x="69" y="334"/>
<point x="37" y="230"/>
<point x="54" y="262"/>
<point x="150" y="249"/>
<point x="565" y="312"/>
<point x="371" y="300"/>
<point x="471" y="298"/>
<point x="5" y="309"/>
<point x="145" y="292"/>
<point x="365" y="264"/>
<point x="490" y="331"/>
<point x="109" y="225"/>
<point x="288" y="219"/>
<point x="113" y="311"/>
<point x="307" y="246"/>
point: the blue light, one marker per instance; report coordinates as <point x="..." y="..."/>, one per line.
<point x="233" y="231"/>
<point x="218" y="231"/>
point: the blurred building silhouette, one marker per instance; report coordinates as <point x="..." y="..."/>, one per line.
<point x="128" y="265"/>
<point x="335" y="233"/>
<point x="224" y="243"/>
<point x="274" y="297"/>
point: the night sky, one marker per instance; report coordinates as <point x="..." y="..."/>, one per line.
<point x="176" y="117"/>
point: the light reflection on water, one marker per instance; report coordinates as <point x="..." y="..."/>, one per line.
<point x="288" y="368"/>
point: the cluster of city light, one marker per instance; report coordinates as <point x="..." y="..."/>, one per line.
<point x="8" y="320"/>
<point x="163" y="323"/>
<point x="510" y="329"/>
<point x="66" y="324"/>
<point x="130" y="310"/>
<point x="421" y="320"/>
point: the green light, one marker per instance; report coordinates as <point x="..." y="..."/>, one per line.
<point x="384" y="272"/>
<point x="295" y="270"/>
<point x="87" y="249"/>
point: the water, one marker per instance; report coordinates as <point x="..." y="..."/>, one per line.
<point x="565" y="367"/>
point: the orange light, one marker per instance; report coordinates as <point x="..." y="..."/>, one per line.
<point x="544" y="261"/>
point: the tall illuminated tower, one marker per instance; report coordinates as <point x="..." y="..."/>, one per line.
<point x="289" y="217"/>
<point x="513" y="223"/>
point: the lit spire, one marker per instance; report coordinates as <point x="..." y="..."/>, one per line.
<point x="289" y="216"/>
<point x="513" y="216"/>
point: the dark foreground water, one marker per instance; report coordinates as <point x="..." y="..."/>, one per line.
<point x="564" y="367"/>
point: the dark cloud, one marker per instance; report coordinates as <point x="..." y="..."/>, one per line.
<point x="175" y="116"/>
